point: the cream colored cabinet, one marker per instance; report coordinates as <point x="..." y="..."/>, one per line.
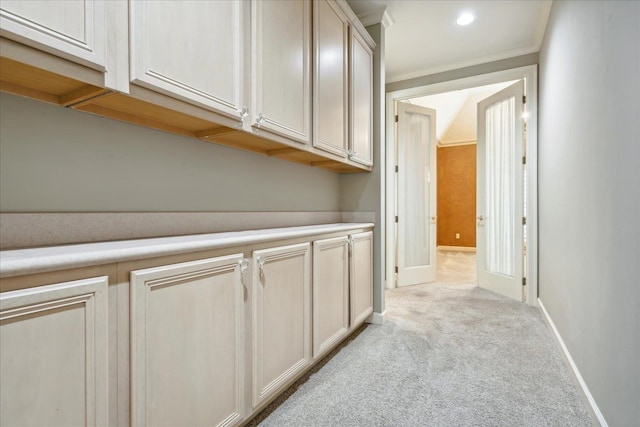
<point x="281" y="36"/>
<point x="360" y="100"/>
<point x="330" y="89"/>
<point x="53" y="354"/>
<point x="187" y="343"/>
<point x="361" y="277"/>
<point x="75" y="30"/>
<point x="191" y="50"/>
<point x="330" y="293"/>
<point x="281" y="330"/>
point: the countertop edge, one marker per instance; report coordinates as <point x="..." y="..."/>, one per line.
<point x="20" y="262"/>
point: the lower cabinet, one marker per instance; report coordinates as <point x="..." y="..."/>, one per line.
<point x="361" y="277"/>
<point x="187" y="343"/>
<point x="183" y="343"/>
<point x="53" y="354"/>
<point x="281" y="313"/>
<point x="330" y="293"/>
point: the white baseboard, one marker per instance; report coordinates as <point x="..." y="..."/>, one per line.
<point x="376" y="318"/>
<point x="457" y="248"/>
<point x="576" y="372"/>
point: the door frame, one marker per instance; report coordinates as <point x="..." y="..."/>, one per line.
<point x="530" y="74"/>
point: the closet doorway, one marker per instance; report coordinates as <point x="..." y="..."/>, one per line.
<point x="498" y="215"/>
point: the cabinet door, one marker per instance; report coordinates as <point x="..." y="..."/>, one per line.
<point x="331" y="78"/>
<point x="281" y="67"/>
<point x="361" y="100"/>
<point x="192" y="50"/>
<point x="361" y="270"/>
<point x="75" y="30"/>
<point x="187" y="328"/>
<point x="53" y="354"/>
<point x="281" y="317"/>
<point x="330" y="293"/>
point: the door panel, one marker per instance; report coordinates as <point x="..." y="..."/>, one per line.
<point x="281" y="317"/>
<point x="331" y="78"/>
<point x="187" y="341"/>
<point x="72" y="29"/>
<point x="330" y="293"/>
<point x="361" y="100"/>
<point x="281" y="67"/>
<point x="163" y="49"/>
<point x="416" y="195"/>
<point x="53" y="354"/>
<point x="500" y="192"/>
<point x="361" y="271"/>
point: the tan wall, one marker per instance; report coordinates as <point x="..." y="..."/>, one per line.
<point x="457" y="195"/>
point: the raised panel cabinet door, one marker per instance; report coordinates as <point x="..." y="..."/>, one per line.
<point x="192" y="50"/>
<point x="281" y="333"/>
<point x="330" y="293"/>
<point x="53" y="355"/>
<point x="281" y="67"/>
<point x="361" y="272"/>
<point x="187" y="343"/>
<point x="331" y="78"/>
<point x="74" y="29"/>
<point x="360" y="100"/>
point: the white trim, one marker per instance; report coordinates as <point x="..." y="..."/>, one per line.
<point x="376" y="318"/>
<point x="576" y="372"/>
<point x="456" y="144"/>
<point x="457" y="248"/>
<point x="377" y="16"/>
<point x="530" y="73"/>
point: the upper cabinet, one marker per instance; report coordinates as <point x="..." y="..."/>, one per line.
<point x="75" y="30"/>
<point x="281" y="78"/>
<point x="360" y="99"/>
<point x="281" y="73"/>
<point x="330" y="78"/>
<point x="191" y="50"/>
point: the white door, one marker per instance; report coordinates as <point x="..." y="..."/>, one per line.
<point x="500" y="192"/>
<point x="416" y="194"/>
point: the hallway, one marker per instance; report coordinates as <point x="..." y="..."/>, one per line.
<point x="449" y="354"/>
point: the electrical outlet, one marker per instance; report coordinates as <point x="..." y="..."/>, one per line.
<point x="457" y="235"/>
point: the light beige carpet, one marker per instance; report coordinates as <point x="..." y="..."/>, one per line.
<point x="449" y="354"/>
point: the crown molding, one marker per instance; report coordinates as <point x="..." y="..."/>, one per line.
<point x="378" y="16"/>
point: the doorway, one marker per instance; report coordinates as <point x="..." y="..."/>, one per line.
<point x="422" y="96"/>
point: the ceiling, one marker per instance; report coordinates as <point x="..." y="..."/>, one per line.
<point x="425" y="39"/>
<point x="456" y="112"/>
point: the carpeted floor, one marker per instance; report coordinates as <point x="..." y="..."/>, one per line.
<point x="449" y="354"/>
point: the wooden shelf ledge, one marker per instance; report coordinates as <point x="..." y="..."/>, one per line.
<point x="150" y="109"/>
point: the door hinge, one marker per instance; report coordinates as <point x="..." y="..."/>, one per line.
<point x="524" y="99"/>
<point x="396" y="218"/>
<point x="524" y="160"/>
<point x="396" y="268"/>
<point x="524" y="221"/>
<point x="396" y="168"/>
<point x="524" y="281"/>
<point x="396" y="118"/>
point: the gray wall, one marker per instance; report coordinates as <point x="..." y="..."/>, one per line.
<point x="461" y="73"/>
<point x="59" y="160"/>
<point x="589" y="195"/>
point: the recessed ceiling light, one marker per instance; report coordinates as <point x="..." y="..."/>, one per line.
<point x="466" y="18"/>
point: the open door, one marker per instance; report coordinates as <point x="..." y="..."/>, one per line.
<point x="500" y="246"/>
<point x="416" y="195"/>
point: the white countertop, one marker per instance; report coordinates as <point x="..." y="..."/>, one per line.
<point x="38" y="260"/>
